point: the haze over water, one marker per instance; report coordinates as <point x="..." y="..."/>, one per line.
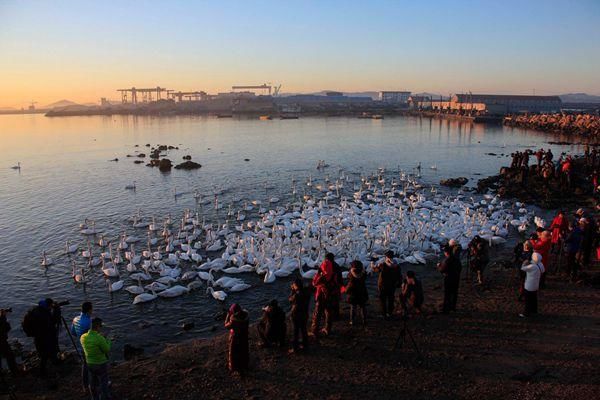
<point x="66" y="177"/>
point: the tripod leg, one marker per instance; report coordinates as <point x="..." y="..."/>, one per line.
<point x="412" y="339"/>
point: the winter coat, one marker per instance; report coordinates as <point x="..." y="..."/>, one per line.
<point x="299" y="300"/>
<point x="238" y="341"/>
<point x="534" y="273"/>
<point x="356" y="289"/>
<point x="451" y="268"/>
<point x="573" y="240"/>
<point x="390" y="276"/>
<point x="543" y="247"/>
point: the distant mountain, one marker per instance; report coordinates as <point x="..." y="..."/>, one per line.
<point x="61" y="103"/>
<point x="579" y="98"/>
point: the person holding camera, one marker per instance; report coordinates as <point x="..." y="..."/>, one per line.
<point x="238" y="354"/>
<point x="97" y="350"/>
<point x="5" y="350"/>
<point x="390" y="277"/>
<point x="412" y="292"/>
<point x="450" y="268"/>
<point x="272" y="327"/>
<point x="479" y="256"/>
<point x="40" y="323"/>
<point x="534" y="271"/>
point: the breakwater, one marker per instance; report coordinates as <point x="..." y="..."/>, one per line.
<point x="573" y="124"/>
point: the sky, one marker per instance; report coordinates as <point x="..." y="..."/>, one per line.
<point x="84" y="50"/>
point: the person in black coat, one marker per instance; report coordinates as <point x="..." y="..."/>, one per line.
<point x="390" y="277"/>
<point x="45" y="336"/>
<point x="272" y="327"/>
<point x="356" y="292"/>
<point x="412" y="292"/>
<point x="5" y="350"/>
<point x="450" y="268"/>
<point x="299" y="299"/>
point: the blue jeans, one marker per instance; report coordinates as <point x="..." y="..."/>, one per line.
<point x="99" y="381"/>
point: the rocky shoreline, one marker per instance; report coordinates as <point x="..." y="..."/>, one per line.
<point x="532" y="188"/>
<point x="585" y="125"/>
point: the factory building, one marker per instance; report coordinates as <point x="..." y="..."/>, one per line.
<point x="394" y="97"/>
<point x="505" y="104"/>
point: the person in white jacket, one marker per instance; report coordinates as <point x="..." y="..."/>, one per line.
<point x="534" y="271"/>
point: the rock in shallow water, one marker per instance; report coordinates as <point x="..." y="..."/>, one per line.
<point x="188" y="165"/>
<point x="454" y="182"/>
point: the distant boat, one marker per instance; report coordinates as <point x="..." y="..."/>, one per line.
<point x="365" y="115"/>
<point x="224" y="115"/>
<point x="265" y="117"/>
<point x="376" y="116"/>
<point x="289" y="116"/>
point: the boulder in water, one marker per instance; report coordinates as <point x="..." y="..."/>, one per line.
<point x="165" y="165"/>
<point x="188" y="165"/>
<point x="454" y="182"/>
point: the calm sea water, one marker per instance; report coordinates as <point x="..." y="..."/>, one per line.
<point x="66" y="177"/>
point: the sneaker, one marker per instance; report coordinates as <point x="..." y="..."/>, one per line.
<point x="522" y="315"/>
<point x="351" y="323"/>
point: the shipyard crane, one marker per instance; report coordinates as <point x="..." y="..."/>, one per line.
<point x="264" y="86"/>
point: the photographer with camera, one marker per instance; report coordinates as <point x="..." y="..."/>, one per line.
<point x="412" y="293"/>
<point x="5" y="350"/>
<point x="479" y="256"/>
<point x="238" y="353"/>
<point x="42" y="324"/>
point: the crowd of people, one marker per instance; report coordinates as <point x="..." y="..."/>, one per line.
<point x="573" y="238"/>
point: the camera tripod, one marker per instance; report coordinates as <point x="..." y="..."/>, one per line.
<point x="401" y="339"/>
<point x="6" y="389"/>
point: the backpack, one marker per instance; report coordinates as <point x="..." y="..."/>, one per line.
<point x="29" y="323"/>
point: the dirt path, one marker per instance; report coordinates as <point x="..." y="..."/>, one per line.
<point x="484" y="351"/>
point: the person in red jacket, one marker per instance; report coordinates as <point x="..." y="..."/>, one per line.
<point x="543" y="246"/>
<point x="324" y="283"/>
<point x="559" y="227"/>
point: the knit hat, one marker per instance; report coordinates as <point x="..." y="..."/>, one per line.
<point x="536" y="258"/>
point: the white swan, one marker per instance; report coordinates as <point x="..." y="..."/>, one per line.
<point x="115" y="286"/>
<point x="78" y="278"/>
<point x="135" y="289"/>
<point x="174" y="291"/>
<point x="46" y="261"/>
<point x="217" y="295"/>
<point x="70" y="248"/>
<point x="239" y="287"/>
<point x="144" y="297"/>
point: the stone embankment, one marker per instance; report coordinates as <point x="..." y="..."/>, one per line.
<point x="574" y="124"/>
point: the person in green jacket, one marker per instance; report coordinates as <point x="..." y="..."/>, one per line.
<point x="96" y="349"/>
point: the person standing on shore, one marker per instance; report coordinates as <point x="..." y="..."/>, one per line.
<point x="543" y="245"/>
<point x="80" y="325"/>
<point x="573" y="244"/>
<point x="272" y="327"/>
<point x="534" y="271"/>
<point x="39" y="324"/>
<point x="238" y="355"/>
<point x="97" y="349"/>
<point x="356" y="292"/>
<point x="559" y="227"/>
<point x="479" y="256"/>
<point x="325" y="284"/>
<point x="299" y="299"/>
<point x="5" y="350"/>
<point x="450" y="268"/>
<point x="390" y="277"/>
<point x="412" y="292"/>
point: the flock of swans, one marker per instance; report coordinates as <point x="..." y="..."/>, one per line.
<point x="354" y="218"/>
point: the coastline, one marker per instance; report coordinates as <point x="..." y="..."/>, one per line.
<point x="482" y="351"/>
